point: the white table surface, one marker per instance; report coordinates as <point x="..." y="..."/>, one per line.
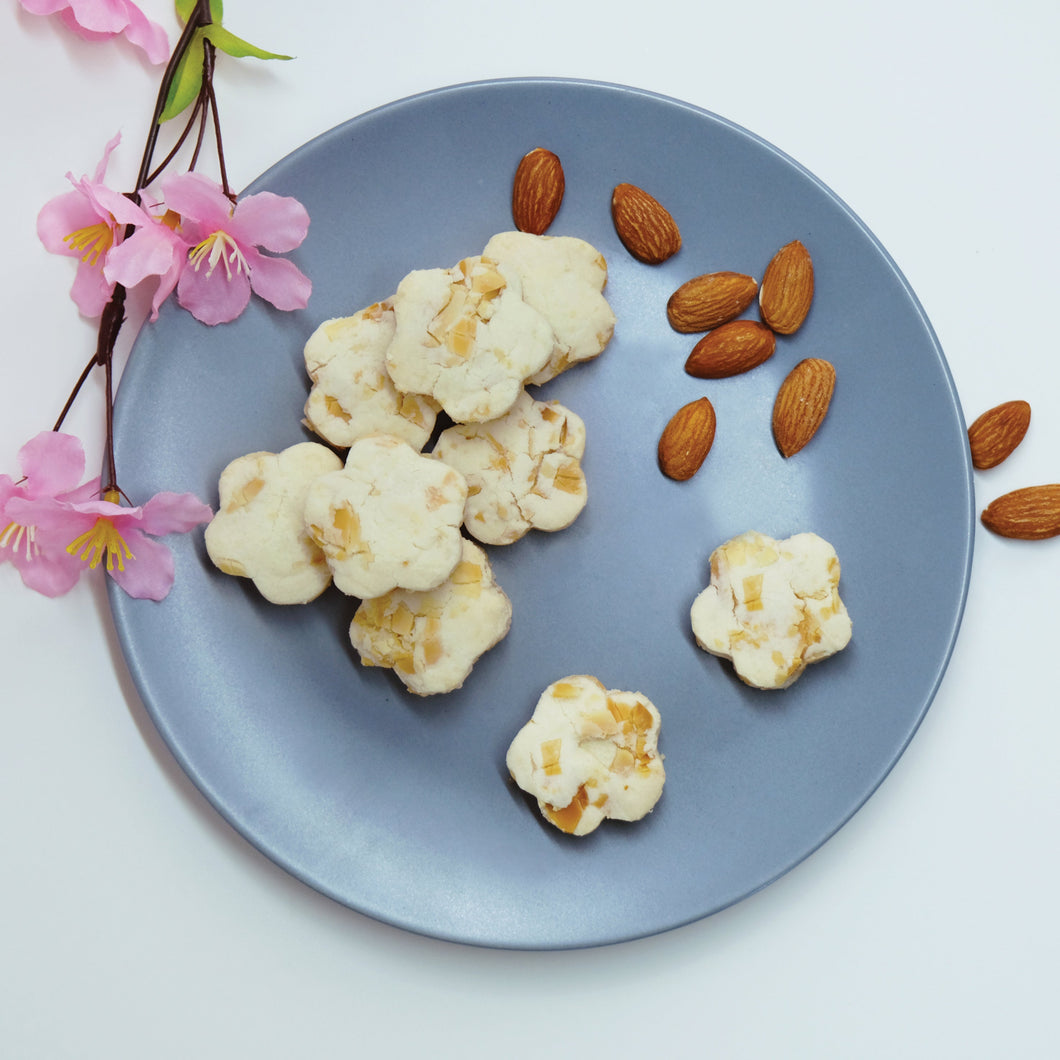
<point x="135" y="923"/>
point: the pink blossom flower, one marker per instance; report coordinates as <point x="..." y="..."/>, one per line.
<point x="102" y="19"/>
<point x="105" y="531"/>
<point x="155" y="248"/>
<point x="224" y="263"/>
<point x="52" y="465"/>
<point x="77" y="224"/>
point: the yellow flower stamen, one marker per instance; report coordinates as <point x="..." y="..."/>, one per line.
<point x="218" y="247"/>
<point x="13" y="535"/>
<point x="94" y="240"/>
<point x="102" y="540"/>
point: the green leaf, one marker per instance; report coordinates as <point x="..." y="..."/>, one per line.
<point x="188" y="80"/>
<point x="185" y="8"/>
<point x="235" y="46"/>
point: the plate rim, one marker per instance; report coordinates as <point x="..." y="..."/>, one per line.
<point x="120" y="605"/>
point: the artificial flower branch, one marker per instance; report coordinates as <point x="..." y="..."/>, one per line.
<point x="200" y="16"/>
<point x="113" y="317"/>
<point x="205" y="105"/>
<point x="198" y="239"/>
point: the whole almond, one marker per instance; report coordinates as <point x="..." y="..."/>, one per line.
<point x="708" y="301"/>
<point x="687" y="439"/>
<point x="731" y="349"/>
<point x="644" y="225"/>
<point x="1030" y="513"/>
<point x="802" y="403"/>
<point x="787" y="288"/>
<point x="537" y="191"/>
<point x="997" y="432"/>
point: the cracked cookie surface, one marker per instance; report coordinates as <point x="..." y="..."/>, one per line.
<point x="772" y="607"/>
<point x="588" y="754"/>
<point x="465" y="337"/>
<point x="390" y="518"/>
<point x="523" y="470"/>
<point x="352" y="393"/>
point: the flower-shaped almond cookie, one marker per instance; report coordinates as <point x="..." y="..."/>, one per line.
<point x="465" y="337"/>
<point x="772" y="607"/>
<point x="523" y="470"/>
<point x="588" y="754"/>
<point x="562" y="277"/>
<point x="352" y="393"/>
<point x="258" y="531"/>
<point x="433" y="639"/>
<point x="389" y="519"/>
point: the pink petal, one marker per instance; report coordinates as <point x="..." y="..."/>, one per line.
<point x="174" y="513"/>
<point x="85" y="492"/>
<point x="275" y="222"/>
<point x="119" y="514"/>
<point x="62" y="215"/>
<point x="99" y="16"/>
<point x="147" y="35"/>
<point x="196" y="197"/>
<point x="71" y="23"/>
<point x="108" y="148"/>
<point x="213" y="298"/>
<point x="44" y="7"/>
<point x="52" y="571"/>
<point x="90" y="290"/>
<point x="167" y="284"/>
<point x="52" y="462"/>
<point x="46" y="567"/>
<point x="150" y="574"/>
<point x="96" y="20"/>
<point x="120" y="207"/>
<point x="279" y="282"/>
<point x="51" y="517"/>
<point x="152" y="250"/>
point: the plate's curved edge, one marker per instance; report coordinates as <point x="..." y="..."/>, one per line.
<point x="119" y="601"/>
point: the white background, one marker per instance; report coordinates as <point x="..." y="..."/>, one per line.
<point x="135" y="923"/>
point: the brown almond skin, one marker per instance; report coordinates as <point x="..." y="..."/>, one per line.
<point x="995" y="434"/>
<point x="537" y="191"/>
<point x="644" y="225"/>
<point x="787" y="289"/>
<point x="687" y="439"/>
<point x="801" y="404"/>
<point x="708" y="301"/>
<point x="1028" y="514"/>
<point x="731" y="349"/>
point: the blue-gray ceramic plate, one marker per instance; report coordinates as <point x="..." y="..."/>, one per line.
<point x="400" y="807"/>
